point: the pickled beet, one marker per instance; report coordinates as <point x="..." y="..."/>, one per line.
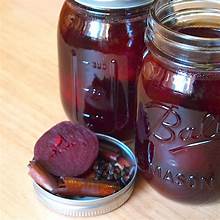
<point x="67" y="149"/>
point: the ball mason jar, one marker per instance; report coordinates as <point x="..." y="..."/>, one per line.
<point x="178" y="122"/>
<point x="100" y="45"/>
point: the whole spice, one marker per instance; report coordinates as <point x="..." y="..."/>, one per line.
<point x="70" y="186"/>
<point x="41" y="177"/>
<point x="111" y="166"/>
<point x="109" y="154"/>
<point x="82" y="187"/>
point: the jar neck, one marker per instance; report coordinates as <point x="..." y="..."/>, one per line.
<point x="166" y="39"/>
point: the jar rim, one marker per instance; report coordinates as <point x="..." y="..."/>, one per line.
<point x="162" y="32"/>
<point x="181" y="35"/>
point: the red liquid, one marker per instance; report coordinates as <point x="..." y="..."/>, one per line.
<point x="201" y="32"/>
<point x="99" y="63"/>
<point x="178" y="131"/>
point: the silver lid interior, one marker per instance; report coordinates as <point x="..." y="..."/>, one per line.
<point x="82" y="208"/>
<point x="114" y="4"/>
<point x="92" y="206"/>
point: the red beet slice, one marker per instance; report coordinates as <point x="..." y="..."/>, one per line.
<point x="67" y="149"/>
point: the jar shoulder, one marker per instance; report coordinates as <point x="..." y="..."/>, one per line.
<point x="80" y="29"/>
<point x="180" y="86"/>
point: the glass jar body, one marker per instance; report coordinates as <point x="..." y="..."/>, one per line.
<point x="100" y="54"/>
<point x="178" y="122"/>
<point x="178" y="131"/>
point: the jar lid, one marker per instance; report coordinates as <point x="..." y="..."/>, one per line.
<point x="114" y="4"/>
<point x="92" y="206"/>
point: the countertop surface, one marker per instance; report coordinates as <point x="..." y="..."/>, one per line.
<point x="30" y="104"/>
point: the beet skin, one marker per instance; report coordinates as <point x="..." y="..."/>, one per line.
<point x="67" y="149"/>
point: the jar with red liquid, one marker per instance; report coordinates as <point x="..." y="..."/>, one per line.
<point x="178" y="122"/>
<point x="100" y="46"/>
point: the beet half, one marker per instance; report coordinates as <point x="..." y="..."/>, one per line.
<point x="67" y="149"/>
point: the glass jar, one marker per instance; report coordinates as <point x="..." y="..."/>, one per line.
<point x="100" y="47"/>
<point x="178" y="122"/>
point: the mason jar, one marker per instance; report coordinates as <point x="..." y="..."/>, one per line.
<point x="100" y="45"/>
<point x="178" y="122"/>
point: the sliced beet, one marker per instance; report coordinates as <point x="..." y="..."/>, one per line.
<point x="67" y="149"/>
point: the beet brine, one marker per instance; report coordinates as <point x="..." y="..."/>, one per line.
<point x="178" y="123"/>
<point x="101" y="47"/>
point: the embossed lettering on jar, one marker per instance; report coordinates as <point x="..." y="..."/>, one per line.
<point x="100" y="52"/>
<point x="178" y="124"/>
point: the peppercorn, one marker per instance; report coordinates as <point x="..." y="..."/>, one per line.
<point x="109" y="168"/>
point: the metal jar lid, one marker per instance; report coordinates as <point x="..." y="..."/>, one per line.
<point x="92" y="206"/>
<point x="114" y="4"/>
